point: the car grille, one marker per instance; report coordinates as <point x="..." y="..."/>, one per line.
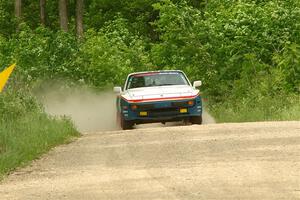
<point x="163" y="112"/>
<point x="179" y="104"/>
<point x="146" y="107"/>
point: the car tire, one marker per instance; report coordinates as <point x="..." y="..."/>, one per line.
<point x="126" y="125"/>
<point x="196" y="120"/>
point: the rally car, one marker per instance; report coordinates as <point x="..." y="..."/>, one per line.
<point x="158" y="96"/>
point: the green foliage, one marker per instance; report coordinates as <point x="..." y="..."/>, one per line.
<point x="247" y="27"/>
<point x="15" y="104"/>
<point x="289" y="66"/>
<point x="246" y="53"/>
<point x="104" y="57"/>
<point x="40" y="53"/>
<point x="257" y="108"/>
<point x="7" y="22"/>
<point x="181" y="45"/>
<point x="137" y="12"/>
<point x="109" y="55"/>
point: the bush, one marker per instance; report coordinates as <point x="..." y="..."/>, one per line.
<point x="41" y="53"/>
<point x="107" y="56"/>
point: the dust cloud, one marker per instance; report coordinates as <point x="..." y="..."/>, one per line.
<point x="89" y="110"/>
<point x="207" y="118"/>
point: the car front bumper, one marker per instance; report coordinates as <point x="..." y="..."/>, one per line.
<point x="160" y="111"/>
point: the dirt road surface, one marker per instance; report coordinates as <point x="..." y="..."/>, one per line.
<point x="213" y="161"/>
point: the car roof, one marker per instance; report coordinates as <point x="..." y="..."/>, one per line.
<point x="158" y="71"/>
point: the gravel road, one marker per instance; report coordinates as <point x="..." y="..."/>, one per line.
<point x="213" y="161"/>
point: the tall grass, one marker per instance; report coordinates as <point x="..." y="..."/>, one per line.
<point x="280" y="108"/>
<point x="26" y="131"/>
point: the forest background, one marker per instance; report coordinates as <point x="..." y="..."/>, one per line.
<point x="246" y="52"/>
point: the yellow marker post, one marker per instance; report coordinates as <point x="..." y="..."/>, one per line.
<point x="4" y="76"/>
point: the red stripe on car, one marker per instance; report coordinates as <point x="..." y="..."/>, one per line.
<point x="159" y="99"/>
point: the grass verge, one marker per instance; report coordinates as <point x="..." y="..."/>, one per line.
<point x="26" y="131"/>
<point x="26" y="139"/>
<point x="281" y="108"/>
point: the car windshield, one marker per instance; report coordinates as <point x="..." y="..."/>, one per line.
<point x="156" y="79"/>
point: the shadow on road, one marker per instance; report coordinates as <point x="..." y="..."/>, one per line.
<point x="207" y="119"/>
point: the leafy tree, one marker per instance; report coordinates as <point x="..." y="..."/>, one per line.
<point x="7" y="20"/>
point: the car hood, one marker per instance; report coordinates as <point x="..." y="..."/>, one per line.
<point x="160" y="93"/>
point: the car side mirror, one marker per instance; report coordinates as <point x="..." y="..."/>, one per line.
<point x="197" y="84"/>
<point x="117" y="90"/>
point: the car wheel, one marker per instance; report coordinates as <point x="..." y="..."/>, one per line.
<point x="196" y="120"/>
<point x="126" y="125"/>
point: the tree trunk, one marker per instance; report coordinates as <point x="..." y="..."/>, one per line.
<point x="79" y="18"/>
<point x="63" y="15"/>
<point x="43" y="12"/>
<point x="18" y="8"/>
<point x="18" y="12"/>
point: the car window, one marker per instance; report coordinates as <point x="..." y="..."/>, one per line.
<point x="156" y="79"/>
